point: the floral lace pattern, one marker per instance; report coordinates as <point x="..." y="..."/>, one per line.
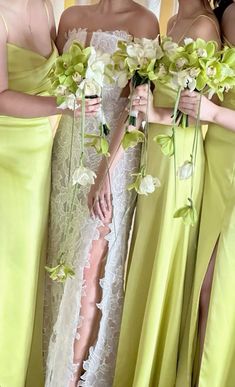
<point x="63" y="303"/>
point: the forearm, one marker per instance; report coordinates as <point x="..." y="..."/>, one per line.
<point x="21" y="105"/>
<point x="224" y="117"/>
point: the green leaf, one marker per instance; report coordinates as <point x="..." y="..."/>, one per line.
<point x="166" y="143"/>
<point x="132" y="138"/>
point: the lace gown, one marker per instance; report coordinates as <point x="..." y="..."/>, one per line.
<point x="65" y="303"/>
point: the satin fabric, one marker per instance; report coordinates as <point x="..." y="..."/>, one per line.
<point x="25" y="156"/>
<point x="218" y="221"/>
<point x="161" y="266"/>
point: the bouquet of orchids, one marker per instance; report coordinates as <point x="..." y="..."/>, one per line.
<point x="141" y="61"/>
<point x="76" y="75"/>
<point x="197" y="65"/>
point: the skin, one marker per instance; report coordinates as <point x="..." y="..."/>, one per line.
<point x="213" y="113"/>
<point x="18" y="15"/>
<point x="107" y="15"/>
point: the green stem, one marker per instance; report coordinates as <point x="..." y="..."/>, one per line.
<point x="195" y="145"/>
<point x="174" y="136"/>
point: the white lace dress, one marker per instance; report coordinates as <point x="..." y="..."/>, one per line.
<point x="63" y="304"/>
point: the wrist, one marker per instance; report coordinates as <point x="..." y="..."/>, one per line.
<point x="215" y="113"/>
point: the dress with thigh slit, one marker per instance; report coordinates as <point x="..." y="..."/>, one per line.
<point x="217" y="224"/>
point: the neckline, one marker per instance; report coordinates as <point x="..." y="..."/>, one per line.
<point x="99" y="30"/>
<point x="34" y="52"/>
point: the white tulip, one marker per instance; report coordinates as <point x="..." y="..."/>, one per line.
<point x="148" y="185"/>
<point x="84" y="176"/>
<point x="185" y="171"/>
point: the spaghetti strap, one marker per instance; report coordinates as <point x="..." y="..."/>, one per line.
<point x="5" y="23"/>
<point x="195" y="20"/>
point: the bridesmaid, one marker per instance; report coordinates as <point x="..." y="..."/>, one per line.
<point x="27" y="52"/>
<point x="163" y="249"/>
<point x="87" y="320"/>
<point x="208" y="351"/>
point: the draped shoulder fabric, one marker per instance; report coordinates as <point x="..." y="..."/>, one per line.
<point x="25" y="156"/>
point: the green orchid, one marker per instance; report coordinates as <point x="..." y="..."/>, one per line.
<point x="188" y="214"/>
<point x="99" y="143"/>
<point x="166" y="143"/>
<point x="132" y="138"/>
<point x="61" y="272"/>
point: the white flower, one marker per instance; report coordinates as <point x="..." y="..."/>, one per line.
<point x="185" y="171"/>
<point x="84" y="176"/>
<point x="188" y="41"/>
<point x="90" y="87"/>
<point x="170" y="47"/>
<point x="69" y="103"/>
<point x="148" y="185"/>
<point x="201" y="52"/>
<point x="77" y="78"/>
<point x="135" y="50"/>
<point x="61" y="90"/>
<point x="211" y="71"/>
<point x="184" y="80"/>
<point x="96" y="66"/>
<point x="181" y="62"/>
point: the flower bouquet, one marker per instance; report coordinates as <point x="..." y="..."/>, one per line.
<point x="200" y="66"/>
<point x="76" y="75"/>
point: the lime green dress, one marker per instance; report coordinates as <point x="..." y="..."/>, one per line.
<point x="161" y="266"/>
<point x="218" y="221"/>
<point x="25" y="155"/>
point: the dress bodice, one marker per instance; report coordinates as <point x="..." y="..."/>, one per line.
<point x="28" y="71"/>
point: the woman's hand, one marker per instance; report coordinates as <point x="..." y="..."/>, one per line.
<point x="190" y="102"/>
<point x="100" y="198"/>
<point x="92" y="107"/>
<point x="142" y="102"/>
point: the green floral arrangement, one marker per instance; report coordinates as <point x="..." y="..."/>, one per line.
<point x="76" y="75"/>
<point x="200" y="66"/>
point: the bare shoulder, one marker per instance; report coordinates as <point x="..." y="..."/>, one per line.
<point x="171" y="23"/>
<point x="75" y="14"/>
<point x="206" y="27"/>
<point x="228" y="24"/>
<point x="3" y="29"/>
<point x="146" y="23"/>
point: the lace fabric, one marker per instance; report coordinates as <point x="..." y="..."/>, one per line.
<point x="63" y="303"/>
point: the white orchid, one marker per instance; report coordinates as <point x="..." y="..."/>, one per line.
<point x="97" y="65"/>
<point x="70" y="102"/>
<point x="84" y="176"/>
<point x="90" y="88"/>
<point x="188" y="41"/>
<point x="61" y="91"/>
<point x="185" y="171"/>
<point x="184" y="80"/>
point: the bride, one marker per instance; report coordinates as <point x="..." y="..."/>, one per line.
<point x="86" y="313"/>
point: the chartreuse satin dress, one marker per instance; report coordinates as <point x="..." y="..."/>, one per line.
<point x="25" y="155"/>
<point x="217" y="224"/>
<point x="162" y="261"/>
